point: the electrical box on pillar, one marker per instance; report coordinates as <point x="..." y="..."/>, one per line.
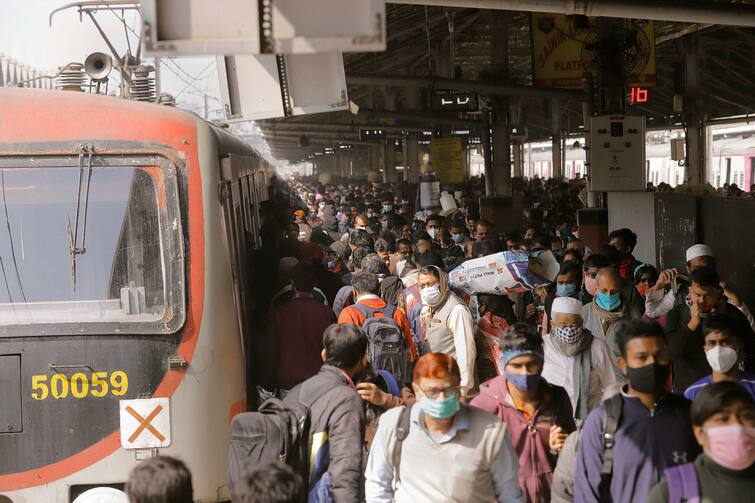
<point x="618" y="153"/>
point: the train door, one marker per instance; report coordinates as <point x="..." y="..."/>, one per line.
<point x="235" y="197"/>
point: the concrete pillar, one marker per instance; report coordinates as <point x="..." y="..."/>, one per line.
<point x="696" y="137"/>
<point x="556" y="139"/>
<point x="412" y="158"/>
<point x="487" y="154"/>
<point x="389" y="170"/>
<point x="518" y="159"/>
<point x="501" y="149"/>
<point x="587" y="113"/>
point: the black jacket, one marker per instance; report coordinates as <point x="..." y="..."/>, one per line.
<point x="686" y="347"/>
<point x="340" y="414"/>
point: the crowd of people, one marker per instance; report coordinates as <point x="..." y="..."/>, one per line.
<point x="615" y="382"/>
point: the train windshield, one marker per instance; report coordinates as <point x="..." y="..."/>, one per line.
<point x="81" y="245"/>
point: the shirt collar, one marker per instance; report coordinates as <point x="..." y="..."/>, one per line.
<point x="461" y="423"/>
<point x="368" y="296"/>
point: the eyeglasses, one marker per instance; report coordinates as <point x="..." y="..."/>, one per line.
<point x="435" y="392"/>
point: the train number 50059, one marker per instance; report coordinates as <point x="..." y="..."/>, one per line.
<point x="79" y="385"/>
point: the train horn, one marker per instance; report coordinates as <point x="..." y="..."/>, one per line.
<point x="98" y="66"/>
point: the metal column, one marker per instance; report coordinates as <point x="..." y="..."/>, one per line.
<point x="693" y="116"/>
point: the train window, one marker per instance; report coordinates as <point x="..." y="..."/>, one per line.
<point x="85" y="245"/>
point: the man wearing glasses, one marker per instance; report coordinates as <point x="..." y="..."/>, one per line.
<point x="440" y="449"/>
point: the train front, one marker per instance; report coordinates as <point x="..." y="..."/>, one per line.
<point x="98" y="327"/>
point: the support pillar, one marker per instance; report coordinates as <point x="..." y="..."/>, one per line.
<point x="389" y="171"/>
<point x="412" y="158"/>
<point x="501" y="149"/>
<point x="556" y="139"/>
<point x="587" y="113"/>
<point x="696" y="138"/>
<point x="518" y="160"/>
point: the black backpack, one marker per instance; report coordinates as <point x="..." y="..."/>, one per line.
<point x="386" y="347"/>
<point x="277" y="431"/>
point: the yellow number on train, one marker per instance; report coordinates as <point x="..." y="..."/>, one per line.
<point x="99" y="384"/>
<point x="119" y="383"/>
<point x="59" y="386"/>
<point x="39" y="388"/>
<point x="79" y="385"/>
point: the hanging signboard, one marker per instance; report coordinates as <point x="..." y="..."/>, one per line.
<point x="564" y="47"/>
<point x="447" y="159"/>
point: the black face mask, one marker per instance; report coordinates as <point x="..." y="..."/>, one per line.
<point x="651" y="378"/>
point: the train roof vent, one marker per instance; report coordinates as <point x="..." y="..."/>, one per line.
<point x="166" y="99"/>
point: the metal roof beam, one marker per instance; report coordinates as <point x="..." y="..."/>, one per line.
<point x="464" y="85"/>
<point x="680" y="11"/>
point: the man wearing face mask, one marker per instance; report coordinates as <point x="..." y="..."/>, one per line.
<point x="662" y="297"/>
<point x="684" y="328"/>
<point x="443" y="324"/>
<point x="648" y="429"/>
<point x="724" y="350"/>
<point x="590" y="268"/>
<point x="723" y="418"/>
<point x="440" y="449"/>
<point x="608" y="306"/>
<point x="537" y="414"/>
<point x="624" y="240"/>
<point x="434" y="227"/>
<point x="575" y="359"/>
<point x="337" y="417"/>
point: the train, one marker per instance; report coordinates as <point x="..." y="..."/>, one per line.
<point x="125" y="302"/>
<point x="731" y="161"/>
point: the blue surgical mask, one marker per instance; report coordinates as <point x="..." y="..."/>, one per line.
<point x="523" y="382"/>
<point x="387" y="208"/>
<point x="458" y="238"/>
<point x="439" y="408"/>
<point x="608" y="302"/>
<point x="566" y="290"/>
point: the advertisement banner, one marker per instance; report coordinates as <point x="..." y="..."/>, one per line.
<point x="564" y="47"/>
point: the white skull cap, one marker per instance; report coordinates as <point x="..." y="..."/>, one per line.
<point x="566" y="305"/>
<point x="698" y="250"/>
<point x="102" y="495"/>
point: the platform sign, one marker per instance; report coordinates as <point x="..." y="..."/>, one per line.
<point x="617" y="143"/>
<point x="454" y="102"/>
<point x="447" y="158"/>
<point x="145" y="423"/>
<point x="561" y="56"/>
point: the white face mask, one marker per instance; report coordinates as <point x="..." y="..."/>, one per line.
<point x="432" y="231"/>
<point x="721" y="359"/>
<point x="430" y="295"/>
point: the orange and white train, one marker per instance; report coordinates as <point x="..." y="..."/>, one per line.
<point x="124" y="232"/>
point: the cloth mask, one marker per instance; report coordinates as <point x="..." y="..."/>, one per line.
<point x="608" y="302"/>
<point x="458" y="238"/>
<point x="430" y="295"/>
<point x="721" y="359"/>
<point x="731" y="446"/>
<point x="523" y="382"/>
<point x="566" y="290"/>
<point x="650" y="378"/>
<point x="567" y="335"/>
<point x="331" y="264"/>
<point x="433" y="231"/>
<point x="439" y="408"/>
<point x="591" y="284"/>
<point x="642" y="288"/>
